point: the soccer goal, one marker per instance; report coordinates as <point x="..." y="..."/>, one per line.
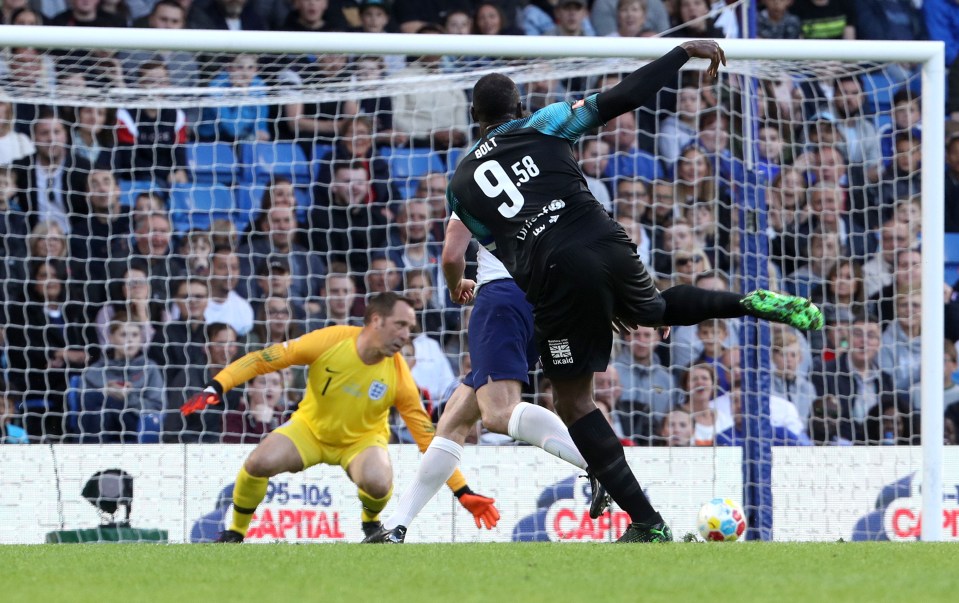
<point x="155" y="175"/>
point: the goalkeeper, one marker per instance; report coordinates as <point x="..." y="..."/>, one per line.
<point x="356" y="374"/>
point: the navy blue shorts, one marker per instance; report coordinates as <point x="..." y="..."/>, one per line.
<point x="501" y="340"/>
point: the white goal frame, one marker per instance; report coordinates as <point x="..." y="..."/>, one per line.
<point x="931" y="55"/>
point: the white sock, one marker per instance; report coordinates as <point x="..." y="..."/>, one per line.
<point x="537" y="426"/>
<point x="439" y="462"/>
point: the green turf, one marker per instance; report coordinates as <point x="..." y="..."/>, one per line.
<point x="813" y="573"/>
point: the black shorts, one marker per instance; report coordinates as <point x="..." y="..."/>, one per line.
<point x="582" y="289"/>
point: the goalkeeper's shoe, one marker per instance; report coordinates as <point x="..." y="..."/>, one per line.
<point x="371" y="527"/>
<point x="383" y="536"/>
<point x="229" y="536"/>
<point x="792" y="310"/>
<point x="601" y="499"/>
<point x="641" y="532"/>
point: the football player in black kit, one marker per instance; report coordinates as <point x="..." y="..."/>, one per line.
<point x="522" y="194"/>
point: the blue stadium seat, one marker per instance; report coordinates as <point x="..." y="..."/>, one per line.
<point x="249" y="197"/>
<point x="212" y="162"/>
<point x="407" y="166"/>
<point x="952" y="256"/>
<point x="453" y="157"/>
<point x="260" y="161"/>
<point x="197" y="205"/>
<point x="149" y="427"/>
<point x="131" y="189"/>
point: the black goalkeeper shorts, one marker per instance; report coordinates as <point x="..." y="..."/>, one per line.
<point x="582" y="289"/>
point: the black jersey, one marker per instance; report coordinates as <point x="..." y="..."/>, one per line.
<point x="521" y="192"/>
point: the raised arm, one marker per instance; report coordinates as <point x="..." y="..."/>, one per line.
<point x="646" y="81"/>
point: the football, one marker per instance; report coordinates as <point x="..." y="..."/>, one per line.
<point x="722" y="520"/>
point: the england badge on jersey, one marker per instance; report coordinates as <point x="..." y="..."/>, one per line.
<point x="377" y="390"/>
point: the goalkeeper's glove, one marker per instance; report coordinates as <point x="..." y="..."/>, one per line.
<point x="484" y="513"/>
<point x="211" y="394"/>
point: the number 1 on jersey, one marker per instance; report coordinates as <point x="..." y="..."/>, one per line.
<point x="493" y="180"/>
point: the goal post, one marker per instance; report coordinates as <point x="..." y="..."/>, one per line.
<point x="592" y="57"/>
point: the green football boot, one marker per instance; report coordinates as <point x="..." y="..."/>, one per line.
<point x="795" y="311"/>
<point x="641" y="532"/>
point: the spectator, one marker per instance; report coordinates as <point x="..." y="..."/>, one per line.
<point x="458" y="22"/>
<point x="179" y="342"/>
<point x="863" y="145"/>
<point x="878" y="270"/>
<point x="27" y="69"/>
<point x="413" y="15"/>
<point x="382" y="276"/>
<point x="119" y="388"/>
<point x="787" y="382"/>
<point x="13" y="145"/>
<point x="631" y="20"/>
<point x="942" y="22"/>
<point x="314" y="123"/>
<point x="410" y="245"/>
<point x="594" y="155"/>
<point x="604" y="15"/>
<point x="225" y="304"/>
<point x="102" y="235"/>
<point x="679" y="130"/>
<point x="839" y="298"/>
<point x="571" y="18"/>
<point x="86" y="13"/>
<point x="824" y="251"/>
<point x="699" y="383"/>
<point x="628" y="160"/>
<point x="647" y="387"/>
<point x="274" y="323"/>
<point x="855" y="378"/>
<point x="902" y="180"/>
<point x="277" y="238"/>
<point x="433" y="320"/>
<point x="432" y="189"/>
<point x="906" y="118"/>
<point x="234" y="15"/>
<point x="684" y="343"/>
<point x="261" y="410"/>
<point x="676" y="429"/>
<point x="901" y="354"/>
<point x="775" y="21"/>
<point x="638" y="235"/>
<point x="606" y="395"/>
<point x="273" y="279"/>
<point x="375" y="17"/>
<point x="695" y="21"/>
<point x="339" y="295"/>
<point x="951" y="389"/>
<point x="491" y="20"/>
<point x="10" y="7"/>
<point x="892" y="422"/>
<point x="432" y="370"/>
<point x="712" y="335"/>
<point x="130" y="299"/>
<point x="435" y="119"/>
<point x="786" y="210"/>
<point x="47" y="341"/>
<point x="237" y="123"/>
<point x="52" y="183"/>
<point x="952" y="184"/>
<point x="824" y="423"/>
<point x="181" y="66"/>
<point x="151" y="249"/>
<point x="889" y="20"/>
<point x="826" y="19"/>
<point x="205" y="426"/>
<point x="379" y="109"/>
<point x="713" y="140"/>
<point x="355" y="145"/>
<point x="14" y="233"/>
<point x="632" y="200"/>
<point x="782" y="435"/>
<point x="907" y="276"/>
<point x="675" y="238"/>
<point x="150" y="140"/>
<point x="828" y="214"/>
<point x="23" y="15"/>
<point x="348" y="227"/>
<point x="195" y="248"/>
<point x="89" y="136"/>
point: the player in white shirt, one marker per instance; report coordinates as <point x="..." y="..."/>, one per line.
<point x="502" y="352"/>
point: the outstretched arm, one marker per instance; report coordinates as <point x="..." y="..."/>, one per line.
<point x="457" y="240"/>
<point x="646" y="81"/>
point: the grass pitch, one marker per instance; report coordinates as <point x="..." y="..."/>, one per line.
<point x="554" y="573"/>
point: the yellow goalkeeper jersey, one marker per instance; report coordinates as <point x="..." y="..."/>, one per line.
<point x="346" y="399"/>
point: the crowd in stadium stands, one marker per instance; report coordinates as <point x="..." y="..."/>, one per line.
<point x="119" y="303"/>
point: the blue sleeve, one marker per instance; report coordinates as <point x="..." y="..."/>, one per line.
<point x="567" y="120"/>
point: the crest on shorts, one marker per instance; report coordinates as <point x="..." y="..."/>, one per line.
<point x="377" y="390"/>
